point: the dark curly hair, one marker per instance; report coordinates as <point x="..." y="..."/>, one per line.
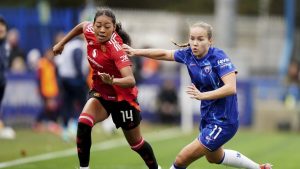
<point x="108" y="12"/>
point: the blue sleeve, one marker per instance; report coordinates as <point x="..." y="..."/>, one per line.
<point x="224" y="65"/>
<point x="180" y="55"/>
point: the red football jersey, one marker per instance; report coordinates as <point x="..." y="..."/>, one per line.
<point x="108" y="58"/>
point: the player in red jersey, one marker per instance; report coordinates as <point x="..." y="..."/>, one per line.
<point x="113" y="89"/>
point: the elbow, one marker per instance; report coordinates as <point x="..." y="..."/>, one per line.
<point x="233" y="90"/>
<point x="131" y="83"/>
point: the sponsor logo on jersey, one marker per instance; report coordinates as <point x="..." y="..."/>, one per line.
<point x="124" y="58"/>
<point x="94" y="54"/>
<point x="222" y="61"/>
<point x="192" y="64"/>
<point x="94" y="62"/>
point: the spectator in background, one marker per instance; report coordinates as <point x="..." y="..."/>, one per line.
<point x="149" y="68"/>
<point x="5" y="132"/>
<point x="292" y="85"/>
<point x="33" y="58"/>
<point x="13" y="38"/>
<point x="72" y="70"/>
<point x="168" y="103"/>
<point x="49" y="91"/>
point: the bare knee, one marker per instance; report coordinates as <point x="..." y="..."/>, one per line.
<point x="180" y="160"/>
<point x="213" y="160"/>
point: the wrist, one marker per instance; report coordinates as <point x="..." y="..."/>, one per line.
<point x="112" y="82"/>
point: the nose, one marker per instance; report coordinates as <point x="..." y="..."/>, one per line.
<point x="195" y="43"/>
<point x="102" y="29"/>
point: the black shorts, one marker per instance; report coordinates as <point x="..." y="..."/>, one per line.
<point x="123" y="114"/>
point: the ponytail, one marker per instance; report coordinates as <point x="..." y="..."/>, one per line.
<point x="123" y="34"/>
<point x="181" y="45"/>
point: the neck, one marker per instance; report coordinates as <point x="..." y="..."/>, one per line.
<point x="202" y="55"/>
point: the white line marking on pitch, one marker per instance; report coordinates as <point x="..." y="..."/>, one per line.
<point x="154" y="136"/>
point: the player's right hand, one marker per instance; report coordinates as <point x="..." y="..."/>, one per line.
<point x="57" y="49"/>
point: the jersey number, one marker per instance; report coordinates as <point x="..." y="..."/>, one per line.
<point x="216" y="131"/>
<point x="127" y="115"/>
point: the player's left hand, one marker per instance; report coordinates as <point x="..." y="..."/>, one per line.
<point x="194" y="92"/>
<point x="128" y="50"/>
<point x="106" y="78"/>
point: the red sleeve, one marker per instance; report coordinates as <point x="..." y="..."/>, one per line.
<point x="120" y="57"/>
<point x="88" y="30"/>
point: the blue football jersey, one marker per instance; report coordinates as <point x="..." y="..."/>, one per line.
<point x="206" y="73"/>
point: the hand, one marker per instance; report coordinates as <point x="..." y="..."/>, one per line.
<point x="128" y="50"/>
<point x="57" y="49"/>
<point x="106" y="78"/>
<point x="194" y="92"/>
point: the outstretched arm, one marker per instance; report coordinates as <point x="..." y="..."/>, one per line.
<point x="77" y="30"/>
<point x="157" y="54"/>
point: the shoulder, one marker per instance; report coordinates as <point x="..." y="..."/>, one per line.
<point x="217" y="55"/>
<point x="183" y="52"/>
<point x="88" y="27"/>
<point x="217" y="52"/>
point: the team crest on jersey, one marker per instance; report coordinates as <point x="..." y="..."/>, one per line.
<point x="103" y="48"/>
<point x="207" y="69"/>
<point x="91" y="43"/>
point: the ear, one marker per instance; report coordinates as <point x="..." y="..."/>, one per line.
<point x="210" y="41"/>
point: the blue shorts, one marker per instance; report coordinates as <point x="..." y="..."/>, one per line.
<point x="213" y="136"/>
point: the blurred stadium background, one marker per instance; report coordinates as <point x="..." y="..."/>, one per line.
<point x="260" y="36"/>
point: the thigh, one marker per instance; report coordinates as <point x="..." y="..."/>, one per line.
<point x="94" y="108"/>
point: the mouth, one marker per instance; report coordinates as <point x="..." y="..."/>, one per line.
<point x="194" y="50"/>
<point x="101" y="37"/>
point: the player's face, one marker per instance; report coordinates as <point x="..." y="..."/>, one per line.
<point x="199" y="41"/>
<point x="103" y="28"/>
<point x="2" y="31"/>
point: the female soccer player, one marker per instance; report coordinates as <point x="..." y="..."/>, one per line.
<point x="113" y="90"/>
<point x="214" y="83"/>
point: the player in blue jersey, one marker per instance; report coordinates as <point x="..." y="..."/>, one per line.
<point x="214" y="83"/>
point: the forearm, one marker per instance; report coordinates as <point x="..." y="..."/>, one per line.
<point x="222" y="92"/>
<point x="77" y="30"/>
<point x="125" y="82"/>
<point x="157" y="54"/>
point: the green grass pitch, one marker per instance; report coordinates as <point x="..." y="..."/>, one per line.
<point x="47" y="151"/>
